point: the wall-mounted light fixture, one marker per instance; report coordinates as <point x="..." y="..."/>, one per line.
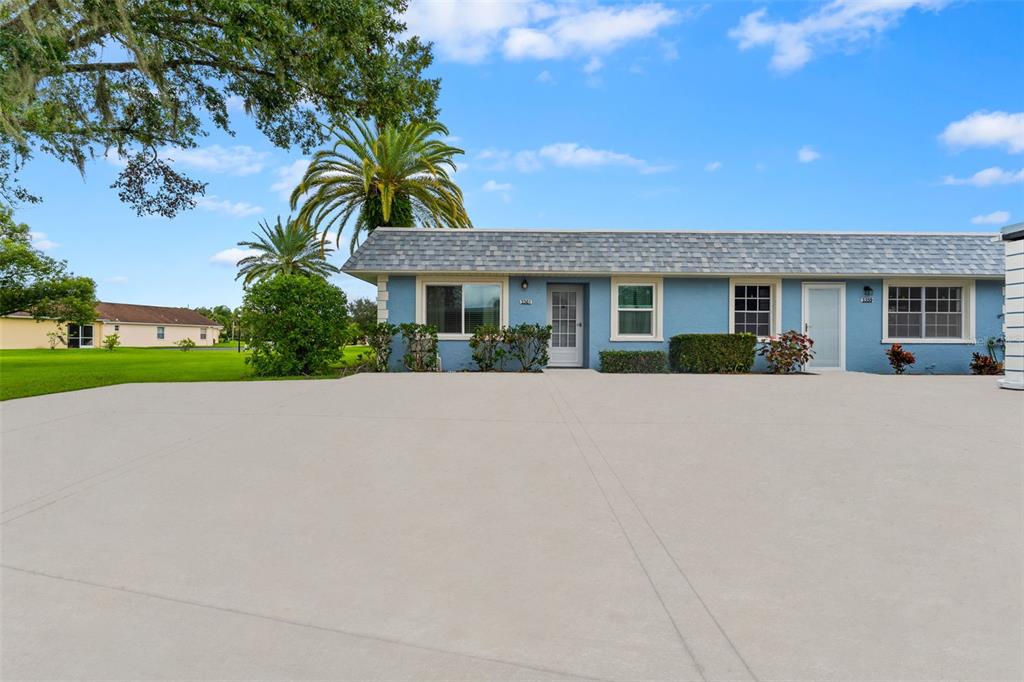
<point x="868" y="292"/>
<point x="525" y="284"/>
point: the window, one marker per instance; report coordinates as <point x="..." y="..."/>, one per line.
<point x="159" y="332"/>
<point x="754" y="306"/>
<point x="202" y="332"/>
<point x="460" y="308"/>
<point x="925" y="312"/>
<point x="117" y="327"/>
<point x="752" y="309"/>
<point x="636" y="309"/>
<point x="80" y="336"/>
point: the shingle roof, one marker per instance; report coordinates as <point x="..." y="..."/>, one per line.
<point x="151" y="314"/>
<point x="410" y="250"/>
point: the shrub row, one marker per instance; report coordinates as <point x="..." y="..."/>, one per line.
<point x="633" y="361"/>
<point x="712" y="353"/>
<point x="527" y="344"/>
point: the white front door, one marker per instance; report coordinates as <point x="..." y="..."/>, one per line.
<point x="824" y="317"/>
<point x="565" y="315"/>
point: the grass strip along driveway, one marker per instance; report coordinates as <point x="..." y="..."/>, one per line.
<point x="26" y="373"/>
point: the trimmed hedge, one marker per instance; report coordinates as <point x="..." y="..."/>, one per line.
<point x="633" y="361"/>
<point x="712" y="353"/>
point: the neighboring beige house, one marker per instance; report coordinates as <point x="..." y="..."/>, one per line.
<point x="136" y="325"/>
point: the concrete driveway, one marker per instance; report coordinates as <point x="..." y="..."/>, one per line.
<point x="568" y="525"/>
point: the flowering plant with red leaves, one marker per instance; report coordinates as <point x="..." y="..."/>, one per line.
<point x="900" y="359"/>
<point x="787" y="352"/>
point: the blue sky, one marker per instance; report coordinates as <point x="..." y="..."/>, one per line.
<point x="891" y="115"/>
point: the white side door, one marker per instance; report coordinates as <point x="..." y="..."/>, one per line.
<point x="824" y="318"/>
<point x="565" y="315"/>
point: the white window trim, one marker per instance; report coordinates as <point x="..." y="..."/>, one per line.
<point x="421" y="298"/>
<point x="776" y="297"/>
<point x="160" y="336"/>
<point x="658" y="316"/>
<point x="967" y="293"/>
<point x="92" y="336"/>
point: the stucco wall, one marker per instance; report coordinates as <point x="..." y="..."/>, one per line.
<point x="701" y="305"/>
<point x="25" y="333"/>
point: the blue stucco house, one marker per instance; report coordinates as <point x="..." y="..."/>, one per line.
<point x="940" y="295"/>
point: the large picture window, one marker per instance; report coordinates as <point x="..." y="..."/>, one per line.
<point x="462" y="308"/>
<point x="80" y="336"/>
<point x="636" y="310"/>
<point x="925" y="312"/>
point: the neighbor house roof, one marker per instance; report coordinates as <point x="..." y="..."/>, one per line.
<point x="1012" y="233"/>
<point x="145" y="314"/>
<point x="411" y="250"/>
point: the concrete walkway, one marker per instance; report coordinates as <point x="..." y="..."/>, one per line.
<point x="561" y="526"/>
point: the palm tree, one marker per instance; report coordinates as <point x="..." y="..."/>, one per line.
<point x="294" y="248"/>
<point x="391" y="176"/>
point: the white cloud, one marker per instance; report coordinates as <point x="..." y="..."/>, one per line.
<point x="472" y="31"/>
<point x="987" y="129"/>
<point x="42" y="242"/>
<point x="839" y="25"/>
<point x="713" y="166"/>
<point x="987" y="177"/>
<point x="572" y="155"/>
<point x="593" y="65"/>
<point x="806" y="154"/>
<point x="545" y="77"/>
<point x="238" y="160"/>
<point x="232" y="256"/>
<point x="994" y="218"/>
<point x="564" y="155"/>
<point x="494" y="186"/>
<point x="236" y="209"/>
<point x="116" y="279"/>
<point x="288" y="177"/>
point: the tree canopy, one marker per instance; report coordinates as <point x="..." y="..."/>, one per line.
<point x="289" y="249"/>
<point x="32" y="282"/>
<point x="81" y="78"/>
<point x="384" y="176"/>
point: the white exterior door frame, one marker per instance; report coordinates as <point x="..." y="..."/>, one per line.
<point x="568" y="314"/>
<point x="806" y="323"/>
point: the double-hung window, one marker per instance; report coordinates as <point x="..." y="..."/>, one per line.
<point x="202" y="332"/>
<point x="458" y="309"/>
<point x="927" y="311"/>
<point x="636" y="310"/>
<point x="753" y="307"/>
<point x="159" y="332"/>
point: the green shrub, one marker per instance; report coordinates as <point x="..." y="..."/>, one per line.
<point x="110" y="342"/>
<point x="487" y="344"/>
<point x="379" y="337"/>
<point x="712" y="353"/>
<point x="185" y="344"/>
<point x="633" y="361"/>
<point x="528" y="343"/>
<point x="295" y="325"/>
<point x="420" y="347"/>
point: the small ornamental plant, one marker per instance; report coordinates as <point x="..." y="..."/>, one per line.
<point x="528" y="344"/>
<point x="111" y="342"/>
<point x="985" y="364"/>
<point x="487" y="344"/>
<point x="420" y="347"/>
<point x="186" y="344"/>
<point x="788" y="352"/>
<point x="899" y="359"/>
<point x="55" y="339"/>
<point x="379" y="336"/>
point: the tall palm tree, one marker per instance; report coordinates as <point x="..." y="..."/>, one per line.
<point x="294" y="248"/>
<point x="392" y="176"/>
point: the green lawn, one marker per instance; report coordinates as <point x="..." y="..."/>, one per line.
<point x="36" y="372"/>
